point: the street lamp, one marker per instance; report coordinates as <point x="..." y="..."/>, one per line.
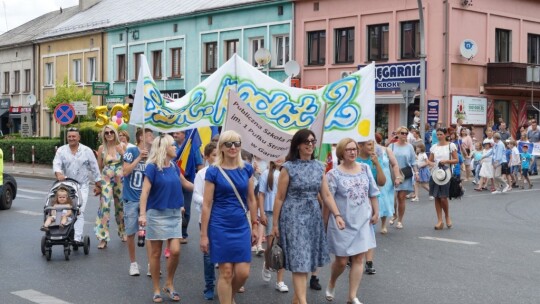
<point x="263" y="57"/>
<point x="533" y="75"/>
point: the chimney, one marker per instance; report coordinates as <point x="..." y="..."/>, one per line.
<point x="86" y="4"/>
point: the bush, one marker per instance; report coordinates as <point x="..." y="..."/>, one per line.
<point x="89" y="134"/>
<point x="44" y="149"/>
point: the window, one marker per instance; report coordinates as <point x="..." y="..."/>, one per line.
<point x="254" y="45"/>
<point x="502" y="45"/>
<point x="533" y="49"/>
<point x="344" y="45"/>
<point x="316" y="48"/>
<point x="77" y="71"/>
<point x="17" y="75"/>
<point x="49" y="76"/>
<point x="176" y="63"/>
<point x="121" y="36"/>
<point x="91" y="74"/>
<point x="232" y="47"/>
<point x="281" y="51"/>
<point x="121" y="67"/>
<point x="378" y="36"/>
<point x="410" y="39"/>
<point x="156" y="64"/>
<point x="6" y="82"/>
<point x="27" y="81"/>
<point x="137" y="60"/>
<point x="211" y="57"/>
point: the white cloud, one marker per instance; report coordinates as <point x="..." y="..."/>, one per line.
<point x="16" y="12"/>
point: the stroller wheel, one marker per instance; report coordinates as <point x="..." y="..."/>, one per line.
<point x="48" y="252"/>
<point x="66" y="254"/>
<point x="86" y="244"/>
<point x="43" y="240"/>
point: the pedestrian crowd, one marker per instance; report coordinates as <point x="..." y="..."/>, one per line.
<point x="244" y="202"/>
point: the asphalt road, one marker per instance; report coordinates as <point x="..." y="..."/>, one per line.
<point x="491" y="255"/>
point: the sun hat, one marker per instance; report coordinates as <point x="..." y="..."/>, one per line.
<point x="441" y="176"/>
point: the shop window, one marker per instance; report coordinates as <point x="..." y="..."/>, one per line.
<point x="27" y="81"/>
<point x="49" y="76"/>
<point x="316" y="48"/>
<point x="410" y="39"/>
<point x="156" y="64"/>
<point x="121" y="67"/>
<point x="176" y="57"/>
<point x="381" y="120"/>
<point x="231" y="48"/>
<point x="533" y="49"/>
<point x="17" y="81"/>
<point x="344" y="49"/>
<point x="281" y="50"/>
<point x="91" y="70"/>
<point x="501" y="110"/>
<point x="137" y="60"/>
<point x="254" y="45"/>
<point x="210" y="56"/>
<point x="502" y="45"/>
<point x="378" y="37"/>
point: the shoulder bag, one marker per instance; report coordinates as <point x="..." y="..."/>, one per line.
<point x="456" y="190"/>
<point x="407" y="171"/>
<point x="246" y="211"/>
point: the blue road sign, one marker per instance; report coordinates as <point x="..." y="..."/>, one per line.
<point x="64" y="114"/>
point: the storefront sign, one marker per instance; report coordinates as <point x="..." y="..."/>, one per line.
<point x="432" y="112"/>
<point x="473" y="110"/>
<point x="389" y="76"/>
<point x="19" y="110"/>
<point x="26" y="124"/>
<point x="100" y="88"/>
<point x="115" y="99"/>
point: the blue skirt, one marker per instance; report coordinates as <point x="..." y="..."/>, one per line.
<point x="163" y="224"/>
<point x="424" y="175"/>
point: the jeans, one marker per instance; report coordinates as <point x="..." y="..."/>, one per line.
<point x="187" y="213"/>
<point x="477" y="172"/>
<point x="533" y="168"/>
<point x="209" y="272"/>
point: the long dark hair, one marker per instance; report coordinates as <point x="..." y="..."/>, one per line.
<point x="271" y="168"/>
<point x="298" y="138"/>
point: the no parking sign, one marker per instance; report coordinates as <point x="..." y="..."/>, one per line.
<point x="64" y="114"/>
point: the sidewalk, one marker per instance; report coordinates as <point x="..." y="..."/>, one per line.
<point x="27" y="170"/>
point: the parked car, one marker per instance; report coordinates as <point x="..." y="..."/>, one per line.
<point x="8" y="192"/>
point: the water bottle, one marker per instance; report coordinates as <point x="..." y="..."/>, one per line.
<point x="141" y="236"/>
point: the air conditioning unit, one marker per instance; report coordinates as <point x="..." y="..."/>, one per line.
<point x="345" y="74"/>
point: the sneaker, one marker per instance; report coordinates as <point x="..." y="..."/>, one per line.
<point x="506" y="189"/>
<point x="259" y="251"/>
<point x="474" y="182"/>
<point x="415" y="199"/>
<point x="167" y="253"/>
<point x="281" y="287"/>
<point x="266" y="274"/>
<point x="369" y="268"/>
<point x="314" y="283"/>
<point x="209" y="294"/>
<point x="497" y="191"/>
<point x="254" y="248"/>
<point x="431" y="198"/>
<point x="134" y="269"/>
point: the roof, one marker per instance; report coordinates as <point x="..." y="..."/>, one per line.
<point x="24" y="34"/>
<point x="113" y="13"/>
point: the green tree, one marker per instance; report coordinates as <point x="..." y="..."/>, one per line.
<point x="68" y="92"/>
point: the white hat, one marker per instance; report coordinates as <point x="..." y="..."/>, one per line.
<point x="441" y="176"/>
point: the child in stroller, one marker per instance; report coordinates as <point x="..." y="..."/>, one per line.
<point x="62" y="202"/>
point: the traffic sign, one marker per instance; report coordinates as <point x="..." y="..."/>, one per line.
<point x="81" y="107"/>
<point x="64" y="114"/>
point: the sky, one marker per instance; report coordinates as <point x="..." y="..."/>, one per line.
<point x="17" y="12"/>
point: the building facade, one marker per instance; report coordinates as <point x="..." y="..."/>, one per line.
<point x="470" y="47"/>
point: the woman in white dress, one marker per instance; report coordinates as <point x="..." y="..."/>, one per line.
<point x="355" y="192"/>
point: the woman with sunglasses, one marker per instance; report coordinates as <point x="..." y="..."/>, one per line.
<point x="161" y="207"/>
<point x="297" y="220"/>
<point x="228" y="206"/>
<point x="110" y="164"/>
<point x="406" y="158"/>
<point x="443" y="154"/>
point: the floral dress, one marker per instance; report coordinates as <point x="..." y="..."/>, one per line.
<point x="301" y="228"/>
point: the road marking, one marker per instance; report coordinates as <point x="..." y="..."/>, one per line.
<point x="28" y="212"/>
<point x="537" y="251"/>
<point x="448" y="240"/>
<point x="38" y="297"/>
<point x="28" y="197"/>
<point x="32" y="191"/>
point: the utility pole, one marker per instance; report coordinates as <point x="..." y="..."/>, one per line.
<point x="422" y="71"/>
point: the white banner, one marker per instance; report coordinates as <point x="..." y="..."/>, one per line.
<point x="258" y="137"/>
<point x="473" y="110"/>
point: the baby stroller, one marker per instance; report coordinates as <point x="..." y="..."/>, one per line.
<point x="64" y="235"/>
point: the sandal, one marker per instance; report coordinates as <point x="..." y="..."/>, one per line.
<point x="43" y="228"/>
<point x="157" y="298"/>
<point x="102" y="244"/>
<point x="173" y="295"/>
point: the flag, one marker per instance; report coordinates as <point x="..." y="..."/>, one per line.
<point x="206" y="134"/>
<point x="325" y="155"/>
<point x="186" y="156"/>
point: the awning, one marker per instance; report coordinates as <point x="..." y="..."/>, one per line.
<point x="3" y="111"/>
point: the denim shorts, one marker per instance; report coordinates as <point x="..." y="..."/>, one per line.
<point x="163" y="224"/>
<point x="131" y="217"/>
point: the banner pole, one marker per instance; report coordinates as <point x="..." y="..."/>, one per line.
<point x="322" y="128"/>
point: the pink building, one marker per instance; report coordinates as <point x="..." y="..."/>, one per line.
<point x="477" y="55"/>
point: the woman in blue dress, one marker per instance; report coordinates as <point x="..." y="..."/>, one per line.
<point x="297" y="217"/>
<point x="225" y="226"/>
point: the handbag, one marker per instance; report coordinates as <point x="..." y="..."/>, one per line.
<point x="456" y="189"/>
<point x="246" y="211"/>
<point x="276" y="257"/>
<point x="406" y="172"/>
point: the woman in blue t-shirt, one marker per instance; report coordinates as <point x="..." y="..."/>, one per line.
<point x="161" y="207"/>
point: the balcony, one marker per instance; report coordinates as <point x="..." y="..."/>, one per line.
<point x="509" y="78"/>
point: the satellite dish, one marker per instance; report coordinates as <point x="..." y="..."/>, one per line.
<point x="468" y="48"/>
<point x="31" y="100"/>
<point x="292" y="68"/>
<point x="263" y="56"/>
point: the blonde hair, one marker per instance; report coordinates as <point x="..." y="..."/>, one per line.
<point x="342" y="144"/>
<point x="62" y="189"/>
<point x="104" y="143"/>
<point x="158" y="152"/>
<point x="226" y="137"/>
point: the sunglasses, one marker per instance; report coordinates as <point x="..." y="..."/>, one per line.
<point x="404" y="133"/>
<point x="72" y="129"/>
<point x="312" y="142"/>
<point x="108" y="132"/>
<point x="349" y="150"/>
<point x="229" y="144"/>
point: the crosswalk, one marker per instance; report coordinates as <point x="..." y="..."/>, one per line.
<point x="31" y="194"/>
